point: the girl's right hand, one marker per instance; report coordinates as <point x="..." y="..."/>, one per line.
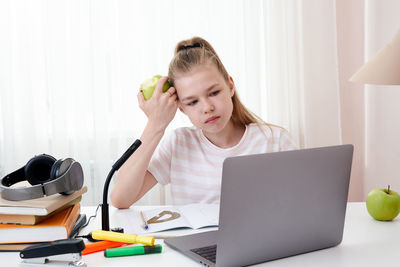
<point x="160" y="109"/>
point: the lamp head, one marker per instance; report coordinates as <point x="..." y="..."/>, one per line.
<point x="384" y="67"/>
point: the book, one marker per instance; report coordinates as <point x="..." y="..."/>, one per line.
<point x="39" y="206"/>
<point x="33" y="219"/>
<point x="192" y="216"/>
<point x="16" y="247"/>
<point x="56" y="227"/>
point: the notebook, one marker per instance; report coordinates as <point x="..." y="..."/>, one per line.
<point x="275" y="205"/>
<point x="193" y="216"/>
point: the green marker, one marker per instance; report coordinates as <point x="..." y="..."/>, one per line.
<point x="129" y="251"/>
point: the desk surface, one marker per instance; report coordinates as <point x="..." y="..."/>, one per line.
<point x="366" y="242"/>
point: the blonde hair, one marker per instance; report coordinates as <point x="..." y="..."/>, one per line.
<point x="197" y="51"/>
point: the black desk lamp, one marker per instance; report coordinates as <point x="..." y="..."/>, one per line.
<point x="105" y="217"/>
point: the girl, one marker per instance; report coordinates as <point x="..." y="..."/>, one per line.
<point x="191" y="158"/>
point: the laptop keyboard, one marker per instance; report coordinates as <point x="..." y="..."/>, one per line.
<point x="210" y="252"/>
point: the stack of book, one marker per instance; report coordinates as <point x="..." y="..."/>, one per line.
<point x="23" y="223"/>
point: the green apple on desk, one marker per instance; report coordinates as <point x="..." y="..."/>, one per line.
<point x="383" y="204"/>
<point x="149" y="86"/>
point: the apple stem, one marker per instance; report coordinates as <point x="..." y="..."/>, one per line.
<point x="389" y="189"/>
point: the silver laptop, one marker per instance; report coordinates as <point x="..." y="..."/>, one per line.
<point x="275" y="205"/>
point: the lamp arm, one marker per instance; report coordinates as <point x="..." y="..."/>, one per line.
<point x="105" y="215"/>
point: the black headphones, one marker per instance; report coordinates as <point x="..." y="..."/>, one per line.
<point x="47" y="176"/>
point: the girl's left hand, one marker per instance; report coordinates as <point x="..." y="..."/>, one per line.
<point x="161" y="108"/>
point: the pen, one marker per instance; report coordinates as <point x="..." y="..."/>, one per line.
<point x="100" y="246"/>
<point x="145" y="226"/>
<point x="119" y="237"/>
<point x="132" y="250"/>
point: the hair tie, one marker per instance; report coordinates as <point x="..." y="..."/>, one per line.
<point x="186" y="47"/>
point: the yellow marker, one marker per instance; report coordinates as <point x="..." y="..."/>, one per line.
<point x="119" y="237"/>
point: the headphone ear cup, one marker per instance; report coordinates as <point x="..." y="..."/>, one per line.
<point x="37" y="170"/>
<point x="55" y="170"/>
<point x="62" y="167"/>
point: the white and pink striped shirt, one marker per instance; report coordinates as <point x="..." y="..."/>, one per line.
<point x="193" y="165"/>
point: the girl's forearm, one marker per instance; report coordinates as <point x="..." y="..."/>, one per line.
<point x="131" y="175"/>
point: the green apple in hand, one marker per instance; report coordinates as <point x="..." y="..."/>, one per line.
<point x="383" y="204"/>
<point x="149" y="86"/>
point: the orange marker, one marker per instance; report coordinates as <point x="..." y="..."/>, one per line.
<point x="101" y="246"/>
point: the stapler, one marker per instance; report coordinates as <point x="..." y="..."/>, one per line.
<point x="64" y="252"/>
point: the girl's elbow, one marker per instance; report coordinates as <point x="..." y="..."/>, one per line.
<point x="118" y="201"/>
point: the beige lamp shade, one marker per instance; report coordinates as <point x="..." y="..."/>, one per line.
<point x="384" y="68"/>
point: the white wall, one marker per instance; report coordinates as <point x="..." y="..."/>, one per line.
<point x="382" y="155"/>
<point x="370" y="114"/>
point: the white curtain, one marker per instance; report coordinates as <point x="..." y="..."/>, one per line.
<point x="70" y="72"/>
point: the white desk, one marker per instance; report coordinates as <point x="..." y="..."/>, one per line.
<point x="366" y="242"/>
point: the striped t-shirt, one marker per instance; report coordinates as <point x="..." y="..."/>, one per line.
<point x="193" y="165"/>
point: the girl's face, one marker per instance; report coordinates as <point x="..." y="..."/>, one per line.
<point x="206" y="98"/>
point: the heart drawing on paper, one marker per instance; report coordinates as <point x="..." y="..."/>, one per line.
<point x="164" y="216"/>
